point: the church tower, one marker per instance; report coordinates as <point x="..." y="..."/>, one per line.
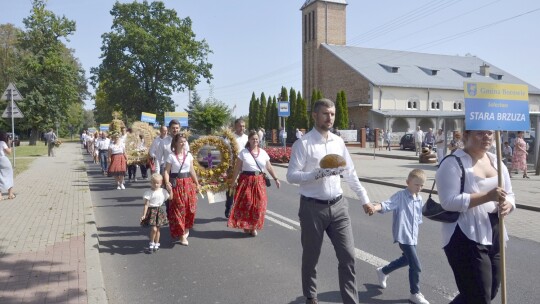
<point x="323" y="21"/>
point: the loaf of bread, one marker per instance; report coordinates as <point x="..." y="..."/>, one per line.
<point x="332" y="161"/>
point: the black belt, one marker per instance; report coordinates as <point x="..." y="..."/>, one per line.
<point x="180" y="175"/>
<point x="103" y="150"/>
<point x="251" y="172"/>
<point x="320" y="201"/>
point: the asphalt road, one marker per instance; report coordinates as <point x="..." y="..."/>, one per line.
<point x="223" y="265"/>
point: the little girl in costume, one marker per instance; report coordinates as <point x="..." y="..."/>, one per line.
<point x="153" y="214"/>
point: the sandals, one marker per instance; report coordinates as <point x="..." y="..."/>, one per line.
<point x="12" y="196"/>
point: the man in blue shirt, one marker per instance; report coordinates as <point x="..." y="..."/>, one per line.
<point x="407" y="206"/>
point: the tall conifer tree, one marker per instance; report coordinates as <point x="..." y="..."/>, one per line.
<point x="262" y="112"/>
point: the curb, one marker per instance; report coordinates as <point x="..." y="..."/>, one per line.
<point x="95" y="286"/>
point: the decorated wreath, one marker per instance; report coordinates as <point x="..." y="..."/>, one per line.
<point x="214" y="178"/>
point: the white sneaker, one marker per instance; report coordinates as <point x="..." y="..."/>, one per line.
<point x="152" y="246"/>
<point x="156" y="246"/>
<point x="118" y="187"/>
<point x="418" y="298"/>
<point x="122" y="187"/>
<point x="382" y="277"/>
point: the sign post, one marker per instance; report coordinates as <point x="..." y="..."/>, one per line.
<point x="284" y="111"/>
<point x="12" y="94"/>
<point x="492" y="106"/>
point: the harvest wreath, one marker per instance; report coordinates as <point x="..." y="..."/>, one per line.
<point x="214" y="178"/>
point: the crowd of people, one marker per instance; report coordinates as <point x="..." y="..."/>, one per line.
<point x="322" y="206"/>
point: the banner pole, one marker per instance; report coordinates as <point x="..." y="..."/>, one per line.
<point x="501" y="219"/>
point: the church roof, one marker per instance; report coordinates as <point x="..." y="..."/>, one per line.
<point x="308" y="2"/>
<point x="420" y="70"/>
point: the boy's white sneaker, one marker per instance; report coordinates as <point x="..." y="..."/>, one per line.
<point x="118" y="187"/>
<point x="418" y="298"/>
<point x="382" y="278"/>
<point x="156" y="246"/>
<point x="151" y="246"/>
<point x="122" y="187"/>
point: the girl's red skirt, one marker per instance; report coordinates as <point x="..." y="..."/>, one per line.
<point x="249" y="203"/>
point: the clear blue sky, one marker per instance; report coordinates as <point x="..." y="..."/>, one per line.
<point x="257" y="44"/>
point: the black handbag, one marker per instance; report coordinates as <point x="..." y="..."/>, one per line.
<point x="266" y="179"/>
<point x="433" y="210"/>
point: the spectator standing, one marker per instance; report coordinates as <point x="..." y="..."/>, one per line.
<point x="519" y="159"/>
<point x="388" y="139"/>
<point x="507" y="153"/>
<point x="260" y="133"/>
<point x="418" y="139"/>
<point x="429" y="138"/>
<point x="439" y="143"/>
<point x="456" y="142"/>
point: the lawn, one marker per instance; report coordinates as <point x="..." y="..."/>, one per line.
<point x="25" y="155"/>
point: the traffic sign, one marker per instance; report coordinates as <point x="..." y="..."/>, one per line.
<point x="12" y="111"/>
<point x="11" y="93"/>
<point x="284" y="109"/>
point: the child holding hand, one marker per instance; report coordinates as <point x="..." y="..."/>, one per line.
<point x="407" y="215"/>
<point x="153" y="214"/>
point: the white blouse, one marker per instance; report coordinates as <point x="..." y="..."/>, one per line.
<point x="156" y="197"/>
<point x="474" y="222"/>
<point x="176" y="162"/>
<point x="117" y="148"/>
<point x="248" y="161"/>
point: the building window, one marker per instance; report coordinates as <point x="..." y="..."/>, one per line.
<point x="458" y="105"/>
<point x="412" y="104"/>
<point x="436" y="104"/>
<point x="305" y="29"/>
<point x="309" y="27"/>
<point x="313" y="26"/>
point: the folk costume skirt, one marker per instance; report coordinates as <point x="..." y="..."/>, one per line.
<point x="155" y="216"/>
<point x="118" y="165"/>
<point x="182" y="207"/>
<point x="249" y="203"/>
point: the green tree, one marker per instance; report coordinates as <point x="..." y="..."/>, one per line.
<point x="252" y="110"/>
<point x="149" y="54"/>
<point x="262" y="112"/>
<point x="275" y="117"/>
<point x="194" y="103"/>
<point x="53" y="78"/>
<point x="301" y="112"/>
<point x="269" y="115"/>
<point x="339" y="111"/>
<point x="291" y="121"/>
<point x="344" y="111"/>
<point x="209" y="116"/>
<point x="10" y="55"/>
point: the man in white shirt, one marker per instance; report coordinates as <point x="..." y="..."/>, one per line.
<point x="165" y="145"/>
<point x="418" y="139"/>
<point x="103" y="147"/>
<point x="241" y="141"/>
<point x="439" y="142"/>
<point x="322" y="207"/>
<point x="156" y="153"/>
<point x="260" y="133"/>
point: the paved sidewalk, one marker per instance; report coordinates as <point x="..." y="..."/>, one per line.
<point x="48" y="239"/>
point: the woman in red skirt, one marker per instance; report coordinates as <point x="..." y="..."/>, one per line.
<point x="117" y="161"/>
<point x="250" y="198"/>
<point x="181" y="181"/>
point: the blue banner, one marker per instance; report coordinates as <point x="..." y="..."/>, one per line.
<point x="492" y="106"/>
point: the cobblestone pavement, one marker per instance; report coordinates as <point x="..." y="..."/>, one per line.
<point x="48" y="243"/>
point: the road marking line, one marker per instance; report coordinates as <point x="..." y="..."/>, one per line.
<point x="369" y="258"/>
<point x="286" y="219"/>
<point x="279" y="222"/>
